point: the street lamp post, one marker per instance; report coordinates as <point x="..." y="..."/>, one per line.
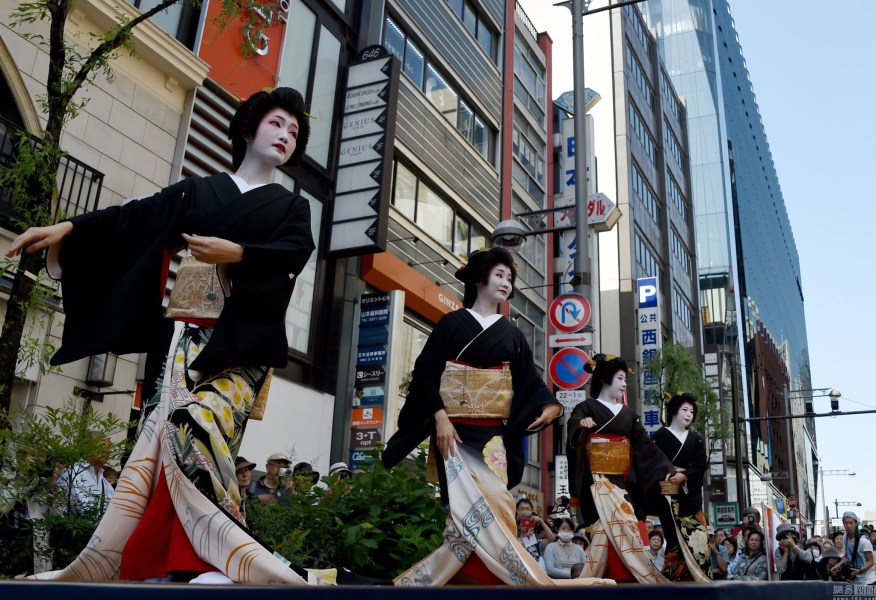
<point x="823" y="505"/>
<point x="837" y="504"/>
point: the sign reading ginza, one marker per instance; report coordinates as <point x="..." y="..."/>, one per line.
<point x="361" y="208"/>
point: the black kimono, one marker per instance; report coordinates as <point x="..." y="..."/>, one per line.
<point x="691" y="456"/>
<point x="686" y="510"/>
<point x="114" y="264"/>
<point x="481" y="524"/>
<point x="649" y="465"/>
<point x="501" y="342"/>
<point x="177" y="505"/>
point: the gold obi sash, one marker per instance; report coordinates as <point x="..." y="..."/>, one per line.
<point x="609" y="454"/>
<point x="198" y="292"/>
<point x="476" y="393"/>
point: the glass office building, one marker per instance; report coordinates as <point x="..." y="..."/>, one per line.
<point x="747" y="258"/>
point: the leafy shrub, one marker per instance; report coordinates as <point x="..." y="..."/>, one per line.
<point x="378" y="524"/>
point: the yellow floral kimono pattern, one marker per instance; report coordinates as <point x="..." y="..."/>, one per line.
<point x="190" y="435"/>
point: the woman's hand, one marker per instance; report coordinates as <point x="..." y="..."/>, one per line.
<point x="37" y="238"/>
<point x="678" y="478"/>
<point x="548" y="413"/>
<point x="446" y="434"/>
<point x="586" y="423"/>
<point x="214" y="250"/>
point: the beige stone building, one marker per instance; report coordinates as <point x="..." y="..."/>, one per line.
<point x="124" y="143"/>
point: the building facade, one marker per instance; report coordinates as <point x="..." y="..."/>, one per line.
<point x="470" y="147"/>
<point x="751" y="295"/>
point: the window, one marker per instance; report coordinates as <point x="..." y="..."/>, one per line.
<point x="529" y="150"/>
<point x="669" y="99"/>
<point x="477" y="25"/>
<point x="639" y="77"/>
<point x="679" y="251"/>
<point x="643" y="191"/>
<point x="419" y="201"/>
<point x="641" y="131"/>
<point x="675" y="195"/>
<point x="645" y="258"/>
<point x="405" y="196"/>
<point x="638" y="28"/>
<point x="435" y="217"/>
<point x="529" y="84"/>
<point x="681" y="309"/>
<point x="414" y="63"/>
<point x="673" y="147"/>
<point x="440" y="91"/>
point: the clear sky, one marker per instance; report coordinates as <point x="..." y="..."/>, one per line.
<point x="811" y="65"/>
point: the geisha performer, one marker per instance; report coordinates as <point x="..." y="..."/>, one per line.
<point x="687" y="451"/>
<point x="475" y="389"/>
<point x="176" y="511"/>
<point x="612" y="462"/>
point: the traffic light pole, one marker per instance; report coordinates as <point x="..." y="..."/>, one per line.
<point x="838" y="413"/>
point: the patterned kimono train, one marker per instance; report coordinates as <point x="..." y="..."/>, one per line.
<point x="689" y="561"/>
<point x="177" y="504"/>
<point x="610" y="496"/>
<point x="480" y="541"/>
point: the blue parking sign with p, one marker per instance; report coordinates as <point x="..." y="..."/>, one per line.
<point x="647" y="292"/>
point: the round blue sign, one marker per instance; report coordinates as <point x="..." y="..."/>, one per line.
<point x="567" y="368"/>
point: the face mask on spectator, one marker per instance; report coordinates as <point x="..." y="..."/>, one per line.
<point x="565" y="536"/>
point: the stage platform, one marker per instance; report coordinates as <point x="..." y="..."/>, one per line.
<point x="802" y="590"/>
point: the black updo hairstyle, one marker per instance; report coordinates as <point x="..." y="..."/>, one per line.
<point x="478" y="268"/>
<point x="675" y="403"/>
<point x="603" y="367"/>
<point x="249" y="114"/>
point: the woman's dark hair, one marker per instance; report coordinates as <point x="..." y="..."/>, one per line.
<point x="732" y="541"/>
<point x="659" y="534"/>
<point x="477" y="270"/>
<point x="603" y="367"/>
<point x="249" y="114"/>
<point x="677" y="401"/>
<point x="526" y="500"/>
<point x="560" y="520"/>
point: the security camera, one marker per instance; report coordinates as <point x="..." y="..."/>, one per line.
<point x="509" y="234"/>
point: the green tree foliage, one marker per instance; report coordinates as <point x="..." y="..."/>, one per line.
<point x="378" y="524"/>
<point x="34" y="452"/>
<point x="677" y="371"/>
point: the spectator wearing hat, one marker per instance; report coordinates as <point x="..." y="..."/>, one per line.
<point x="341" y="470"/>
<point x="243" y="470"/>
<point x="858" y="553"/>
<point x="829" y="559"/>
<point x="792" y="560"/>
<point x="270" y="488"/>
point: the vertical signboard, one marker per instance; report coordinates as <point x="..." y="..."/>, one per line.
<point x="375" y="385"/>
<point x="362" y="187"/>
<point x="649" y="338"/>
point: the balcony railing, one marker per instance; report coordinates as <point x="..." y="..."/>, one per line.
<point x="78" y="186"/>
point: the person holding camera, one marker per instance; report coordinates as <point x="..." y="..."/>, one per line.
<point x="857" y="564"/>
<point x="532" y="532"/>
<point x="270" y="487"/>
<point x="792" y="560"/>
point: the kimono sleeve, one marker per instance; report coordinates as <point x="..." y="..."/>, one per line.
<point x="697" y="469"/>
<point x="112" y="273"/>
<point x="287" y="251"/>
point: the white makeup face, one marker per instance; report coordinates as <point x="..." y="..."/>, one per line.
<point x="618" y="385"/>
<point x="276" y="137"/>
<point x="684" y="416"/>
<point x="498" y="287"/>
